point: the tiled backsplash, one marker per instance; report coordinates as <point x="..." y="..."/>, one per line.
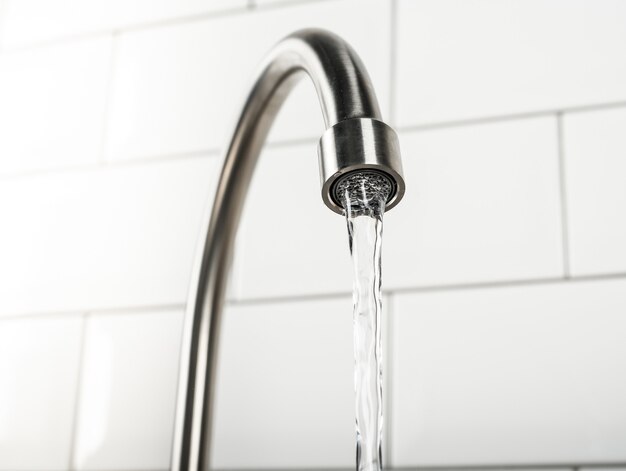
<point x="511" y="373"/>
<point x="504" y="267"/>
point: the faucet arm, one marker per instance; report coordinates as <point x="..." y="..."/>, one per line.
<point x="346" y="95"/>
<point x="342" y="83"/>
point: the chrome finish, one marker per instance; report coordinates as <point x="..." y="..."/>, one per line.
<point x="356" y="138"/>
<point x="359" y="144"/>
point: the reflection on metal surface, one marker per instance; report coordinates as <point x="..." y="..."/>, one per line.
<point x="355" y="139"/>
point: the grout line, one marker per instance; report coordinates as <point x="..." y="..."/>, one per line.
<point x="181" y="20"/>
<point x="499" y="467"/>
<point x="516" y="466"/>
<point x="327" y="296"/>
<point x="435" y="288"/>
<point x="565" y="237"/>
<point x="139" y="310"/>
<point x="284" y="3"/>
<point x="309" y="140"/>
<point x="297" y="141"/>
<point x="512" y="116"/>
<point x="393" y="61"/>
<point x="60" y="40"/>
<point x="15" y="316"/>
<point x="493" y="467"/>
<point x="140" y="26"/>
<point x="291" y="298"/>
<point x="120" y="163"/>
<point x="78" y="393"/>
<point x="147" y="309"/>
<point x="148" y="159"/>
<point x="512" y="283"/>
<point x="388" y="376"/>
<point x="477" y="120"/>
<point x="22" y="174"/>
<point x="250" y="7"/>
<point x="156" y="158"/>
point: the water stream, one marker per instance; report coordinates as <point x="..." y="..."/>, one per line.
<point x="363" y="196"/>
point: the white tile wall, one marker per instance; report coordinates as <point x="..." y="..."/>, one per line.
<point x="595" y="145"/>
<point x="285" y="391"/>
<point x="34" y="21"/>
<point x="297" y="240"/>
<point x="460" y="59"/>
<point x="128" y="390"/>
<point x="2" y="3"/>
<point x="263" y="3"/>
<point x="39" y="361"/>
<point x="270" y="2"/>
<point x="482" y="204"/>
<point x="472" y="180"/>
<point x="110" y="115"/>
<point x="52" y="105"/>
<point x="178" y="88"/>
<point x="101" y="238"/>
<point x="510" y="375"/>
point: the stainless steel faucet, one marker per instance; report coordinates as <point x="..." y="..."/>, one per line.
<point x="356" y="142"/>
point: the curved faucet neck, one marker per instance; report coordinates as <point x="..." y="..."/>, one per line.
<point x="358" y="140"/>
<point x="342" y="83"/>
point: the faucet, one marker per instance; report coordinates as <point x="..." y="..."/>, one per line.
<point x="356" y="143"/>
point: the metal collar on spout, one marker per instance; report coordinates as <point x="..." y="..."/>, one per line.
<point x="356" y="139"/>
<point x="359" y="144"/>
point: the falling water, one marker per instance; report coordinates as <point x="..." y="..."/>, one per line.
<point x="363" y="196"/>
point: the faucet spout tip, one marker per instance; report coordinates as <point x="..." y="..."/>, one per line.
<point x="359" y="144"/>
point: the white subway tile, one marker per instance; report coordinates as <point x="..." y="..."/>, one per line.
<point x="528" y="374"/>
<point x="128" y="391"/>
<point x="482" y="204"/>
<point x="36" y="21"/>
<point x="468" y="215"/>
<point x="290" y="243"/>
<point x="281" y="2"/>
<point x="52" y="105"/>
<point x="107" y="237"/>
<point x="145" y="11"/>
<point x="2" y="3"/>
<point x="460" y="59"/>
<point x="39" y="361"/>
<point x="285" y="394"/>
<point x="595" y="155"/>
<point x="179" y="88"/>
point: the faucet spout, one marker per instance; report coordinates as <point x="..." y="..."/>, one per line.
<point x="356" y="140"/>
